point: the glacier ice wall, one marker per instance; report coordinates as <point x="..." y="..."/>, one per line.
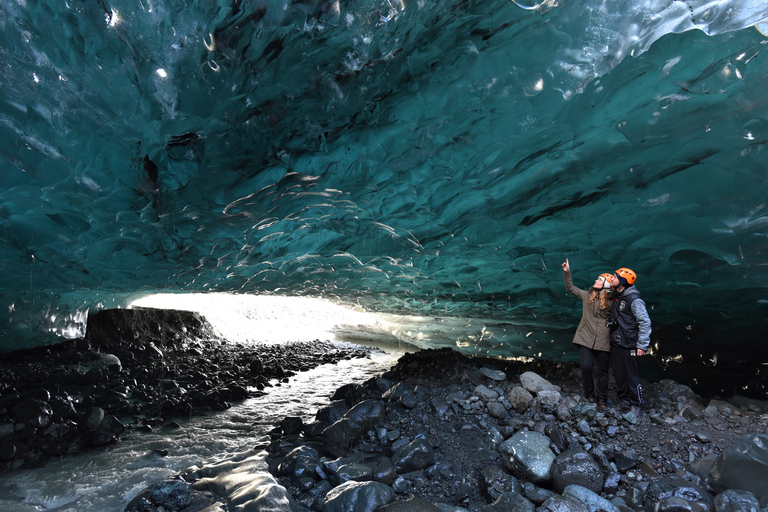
<point x="437" y="158"/>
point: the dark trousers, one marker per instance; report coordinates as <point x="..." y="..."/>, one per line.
<point x="626" y="371"/>
<point x="597" y="359"/>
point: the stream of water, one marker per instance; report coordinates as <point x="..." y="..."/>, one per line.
<point x="105" y="481"/>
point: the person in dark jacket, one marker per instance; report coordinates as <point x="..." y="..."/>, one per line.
<point x="630" y="338"/>
<point x="592" y="335"/>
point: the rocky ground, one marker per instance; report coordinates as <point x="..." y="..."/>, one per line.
<point x="438" y="432"/>
<point x="134" y="370"/>
<point x="442" y="432"/>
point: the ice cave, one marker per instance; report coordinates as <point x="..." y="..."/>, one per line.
<point x="433" y="159"/>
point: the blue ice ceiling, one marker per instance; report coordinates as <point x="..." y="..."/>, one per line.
<point x="431" y="157"/>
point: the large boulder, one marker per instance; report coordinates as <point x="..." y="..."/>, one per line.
<point x="357" y="497"/>
<point x="743" y="466"/>
<point x="576" y="467"/>
<point x="527" y="456"/>
<point x="534" y="383"/>
<point x="416" y="455"/>
<point x="346" y="432"/>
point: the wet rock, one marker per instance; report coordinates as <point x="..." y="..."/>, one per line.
<point x="675" y="487"/>
<point x="412" y="504"/>
<point x="93" y="418"/>
<point x="520" y="398"/>
<point x="296" y="462"/>
<point x="494" y="482"/>
<point x="173" y="495"/>
<point x="563" y="504"/>
<point x="357" y="497"/>
<point x="591" y="499"/>
<point x="743" y="466"/>
<point x="32" y="412"/>
<point x="291" y="425"/>
<point x="510" y="502"/>
<point x="576" y="467"/>
<point x="559" y="441"/>
<point x="409" y="400"/>
<point x="677" y="504"/>
<point x="384" y="472"/>
<point x="346" y="432"/>
<point x="416" y="455"/>
<point x="332" y="412"/>
<point x="353" y="471"/>
<point x="736" y="501"/>
<point x="528" y="456"/>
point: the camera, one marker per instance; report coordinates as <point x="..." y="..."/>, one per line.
<point x="609" y="323"/>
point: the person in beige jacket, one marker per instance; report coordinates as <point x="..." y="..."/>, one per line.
<point x="592" y="334"/>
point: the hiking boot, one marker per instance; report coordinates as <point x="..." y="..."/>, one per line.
<point x="601" y="405"/>
<point x="624" y="406"/>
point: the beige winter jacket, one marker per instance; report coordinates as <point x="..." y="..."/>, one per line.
<point x="592" y="331"/>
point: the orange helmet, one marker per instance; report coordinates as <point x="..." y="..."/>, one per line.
<point x="606" y="280"/>
<point x="625" y="274"/>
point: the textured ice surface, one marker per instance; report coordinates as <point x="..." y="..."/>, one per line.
<point x="435" y="158"/>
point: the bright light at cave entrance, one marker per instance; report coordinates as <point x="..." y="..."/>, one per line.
<point x="265" y="318"/>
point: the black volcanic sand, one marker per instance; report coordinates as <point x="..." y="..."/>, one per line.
<point x="135" y="370"/>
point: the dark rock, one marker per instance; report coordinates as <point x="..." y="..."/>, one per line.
<point x="292" y="425"/>
<point x="384" y="472"/>
<point x="612" y="481"/>
<point x="409" y="400"/>
<point x="171" y="494"/>
<point x="357" y="497"/>
<point x="676" y="504"/>
<point x="510" y="502"/>
<point x="576" y="467"/>
<point x="528" y="456"/>
<point x="536" y="494"/>
<point x="625" y="460"/>
<point x="556" y="436"/>
<point x="736" y="501"/>
<point x="332" y="412"/>
<point x="353" y="471"/>
<point x="592" y="500"/>
<point x="93" y="418"/>
<point x="346" y="432"/>
<point x="256" y="366"/>
<point x="494" y="482"/>
<point x="743" y="466"/>
<point x="413" y="504"/>
<point x="659" y="490"/>
<point x="563" y="504"/>
<point x="416" y="455"/>
<point x="295" y="464"/>
<point x="62" y="407"/>
<point x="33" y="412"/>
